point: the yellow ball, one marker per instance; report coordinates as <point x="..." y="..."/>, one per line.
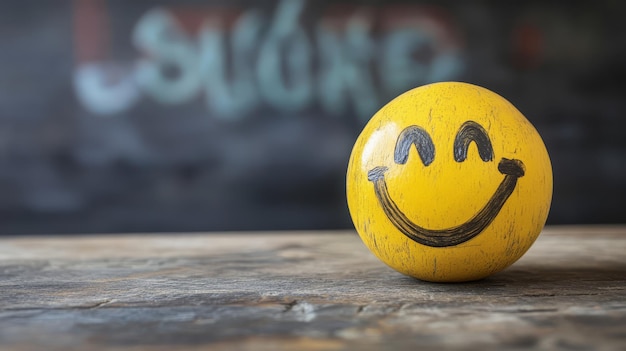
<point x="449" y="182"/>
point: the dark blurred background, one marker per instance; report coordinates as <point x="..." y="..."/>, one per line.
<point x="144" y="116"/>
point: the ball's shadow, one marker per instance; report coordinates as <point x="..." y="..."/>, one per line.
<point x="580" y="276"/>
<point x="532" y="274"/>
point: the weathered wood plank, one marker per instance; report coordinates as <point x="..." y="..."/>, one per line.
<point x="304" y="291"/>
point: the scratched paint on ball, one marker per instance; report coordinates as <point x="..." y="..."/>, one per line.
<point x="424" y="190"/>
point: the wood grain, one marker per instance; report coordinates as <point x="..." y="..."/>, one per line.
<point x="302" y="291"/>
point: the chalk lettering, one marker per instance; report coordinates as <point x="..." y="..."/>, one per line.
<point x="234" y="95"/>
<point x="345" y="74"/>
<point x="261" y="61"/>
<point x="170" y="75"/>
<point x="286" y="40"/>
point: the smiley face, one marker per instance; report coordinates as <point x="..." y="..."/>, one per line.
<point x="470" y="132"/>
<point x="449" y="182"/>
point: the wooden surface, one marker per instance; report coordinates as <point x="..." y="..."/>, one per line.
<point x="302" y="291"/>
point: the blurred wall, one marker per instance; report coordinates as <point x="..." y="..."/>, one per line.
<point x="120" y="116"/>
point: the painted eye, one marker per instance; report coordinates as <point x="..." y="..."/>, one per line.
<point x="414" y="135"/>
<point x="472" y="131"/>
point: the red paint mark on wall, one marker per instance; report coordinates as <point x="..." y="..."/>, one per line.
<point x="527" y="46"/>
<point x="91" y="30"/>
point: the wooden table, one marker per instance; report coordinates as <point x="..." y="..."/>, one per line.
<point x="302" y="291"/>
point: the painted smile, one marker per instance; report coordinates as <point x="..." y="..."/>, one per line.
<point x="470" y="132"/>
